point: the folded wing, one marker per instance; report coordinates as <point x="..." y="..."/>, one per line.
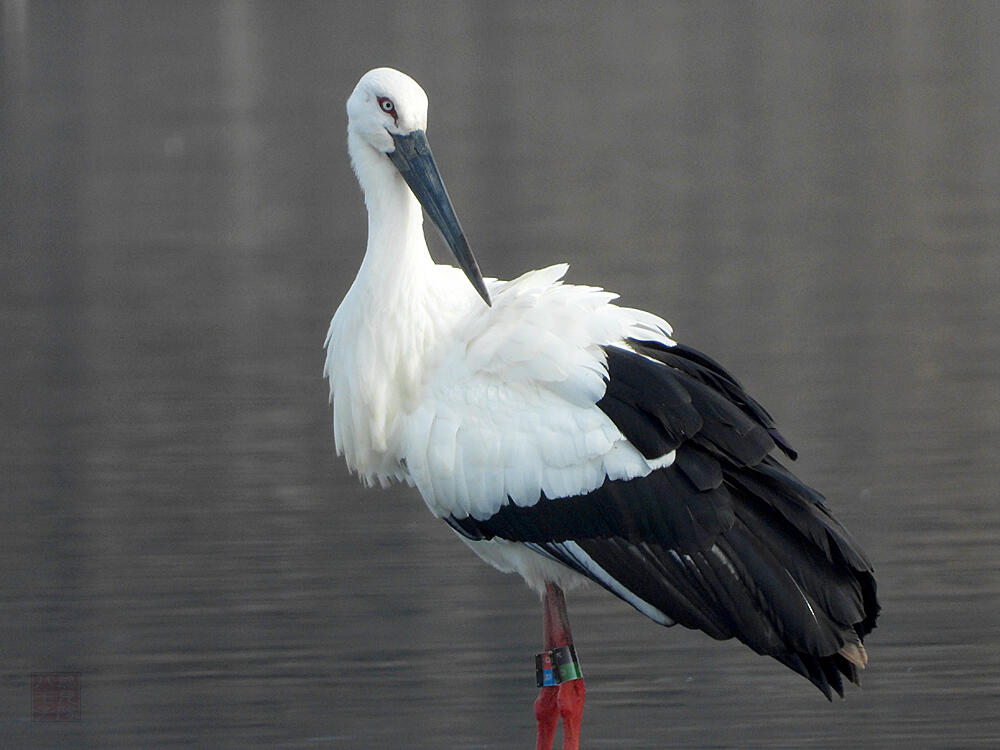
<point x="723" y="538"/>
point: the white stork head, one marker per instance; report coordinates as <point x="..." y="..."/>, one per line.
<point x="386" y="120"/>
<point x="386" y="102"/>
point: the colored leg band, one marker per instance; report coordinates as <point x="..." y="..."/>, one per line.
<point x="557" y="666"/>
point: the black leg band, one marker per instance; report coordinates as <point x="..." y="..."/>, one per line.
<point x="557" y="666"/>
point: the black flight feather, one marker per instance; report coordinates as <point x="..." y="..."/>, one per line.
<point x="724" y="539"/>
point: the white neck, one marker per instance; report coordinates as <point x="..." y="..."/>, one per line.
<point x="396" y="259"/>
<point x="385" y="327"/>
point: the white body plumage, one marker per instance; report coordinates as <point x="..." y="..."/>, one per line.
<point x="566" y="438"/>
<point x="472" y="404"/>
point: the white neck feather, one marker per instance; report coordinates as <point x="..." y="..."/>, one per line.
<point x="385" y="326"/>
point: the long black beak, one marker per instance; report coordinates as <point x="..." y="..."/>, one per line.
<point x="414" y="160"/>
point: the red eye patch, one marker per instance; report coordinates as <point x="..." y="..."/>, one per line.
<point x="387" y="106"/>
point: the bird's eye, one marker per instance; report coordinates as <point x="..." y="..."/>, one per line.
<point x="388" y="107"/>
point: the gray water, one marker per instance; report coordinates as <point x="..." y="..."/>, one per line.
<point x="810" y="193"/>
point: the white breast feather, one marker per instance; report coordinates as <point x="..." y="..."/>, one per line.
<point x="508" y="409"/>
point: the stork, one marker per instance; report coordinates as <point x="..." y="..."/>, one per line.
<point x="569" y="439"/>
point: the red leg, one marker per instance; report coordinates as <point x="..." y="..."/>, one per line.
<point x="547" y="716"/>
<point x="566" y="699"/>
<point x="571" y="695"/>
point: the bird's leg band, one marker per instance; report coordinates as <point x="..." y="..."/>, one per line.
<point x="557" y="666"/>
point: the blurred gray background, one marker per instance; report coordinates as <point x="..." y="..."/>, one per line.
<point x="808" y="192"/>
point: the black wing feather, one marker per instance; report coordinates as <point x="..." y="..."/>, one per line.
<point x="725" y="539"/>
<point x="706" y="369"/>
